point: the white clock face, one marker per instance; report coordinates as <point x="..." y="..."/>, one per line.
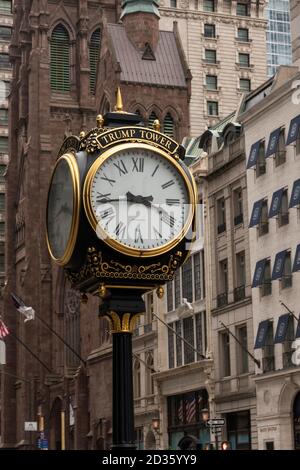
<point x="139" y="198"/>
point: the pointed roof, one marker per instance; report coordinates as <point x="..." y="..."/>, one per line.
<point x="140" y="6"/>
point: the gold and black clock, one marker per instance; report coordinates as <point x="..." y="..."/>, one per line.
<point x="63" y="205"/>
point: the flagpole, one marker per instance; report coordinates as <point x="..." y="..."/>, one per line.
<point x="257" y="362"/>
<point x="31" y="352"/>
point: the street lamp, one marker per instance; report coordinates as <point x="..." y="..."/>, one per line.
<point x="155" y="424"/>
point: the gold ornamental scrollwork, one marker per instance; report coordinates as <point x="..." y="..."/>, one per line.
<point x="122" y="323"/>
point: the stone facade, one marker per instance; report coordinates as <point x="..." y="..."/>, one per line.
<point x="191" y="20"/>
<point x="41" y="118"/>
<point x="295" y="25"/>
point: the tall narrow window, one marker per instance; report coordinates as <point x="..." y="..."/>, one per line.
<point x="239" y="291"/>
<point x="221" y="215"/>
<point x="261" y="160"/>
<point x="225" y="354"/>
<point x="149" y="374"/>
<point x="280" y="154"/>
<point x="3" y="144"/>
<point x="197" y="276"/>
<point x="263" y="226"/>
<point x="242" y="346"/>
<point x="187" y="281"/>
<point x="283" y="216"/>
<point x="188" y="334"/>
<point x="177" y="288"/>
<point x="137" y="378"/>
<point x="5" y="6"/>
<point x="169" y="125"/>
<point x="222" y="298"/>
<point x="170" y="295"/>
<point x="268" y="362"/>
<point x="94" y="57"/>
<point x="266" y="288"/>
<point x="238" y="206"/>
<point x="60" y="59"/>
<point x="151" y="119"/>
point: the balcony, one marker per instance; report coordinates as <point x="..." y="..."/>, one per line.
<point x="268" y="364"/>
<point x="222" y="300"/>
<point x="239" y="293"/>
<point x="221" y="228"/>
<point x="239" y="219"/>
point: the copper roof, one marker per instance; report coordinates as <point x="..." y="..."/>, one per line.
<point x="165" y="70"/>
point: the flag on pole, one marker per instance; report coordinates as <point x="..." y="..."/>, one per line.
<point x="4" y="331"/>
<point x="28" y="312"/>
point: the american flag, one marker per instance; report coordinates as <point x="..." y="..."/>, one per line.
<point x="180" y="411"/>
<point x="4" y="331"/>
<point x="190" y="408"/>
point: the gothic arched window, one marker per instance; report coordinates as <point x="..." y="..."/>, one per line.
<point x="72" y="325"/>
<point x="94" y="57"/>
<point x="169" y="125"/>
<point x="137" y="379"/>
<point x="60" y="59"/>
<point x="149" y="375"/>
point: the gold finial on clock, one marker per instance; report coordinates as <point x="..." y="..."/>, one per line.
<point x="102" y="291"/>
<point x="156" y="125"/>
<point x="100" y="121"/>
<point x="119" y="102"/>
<point x="160" y="292"/>
<point x="82" y="135"/>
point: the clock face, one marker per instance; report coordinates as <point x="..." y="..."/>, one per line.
<point x="140" y="198"/>
<point x="62" y="209"/>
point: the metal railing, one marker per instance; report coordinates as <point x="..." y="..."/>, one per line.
<point x="239" y="219"/>
<point x="222" y="299"/>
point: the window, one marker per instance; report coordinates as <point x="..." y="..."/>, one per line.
<point x="5" y="6"/>
<point x="183" y="410"/>
<point x="222" y="298"/>
<point x="177" y="288"/>
<point x="243" y="34"/>
<point x="209" y="31"/>
<point x="261" y="160"/>
<point x="94" y="57"/>
<point x="297" y="146"/>
<point x="151" y="119"/>
<point x="60" y="60"/>
<point x="221" y="215"/>
<point x="239" y="291"/>
<point x="149" y="374"/>
<point x="287" y="279"/>
<point x="268" y="362"/>
<point x="212" y="108"/>
<point x="269" y="445"/>
<point x="2" y="201"/>
<point x="4" y="90"/>
<point x="280" y="153"/>
<point x="170" y="296"/>
<point x="197" y="276"/>
<point x="263" y="226"/>
<point x="211" y="82"/>
<point x="2" y="228"/>
<point x="139" y="438"/>
<point x="3" y="117"/>
<point x="209" y="5"/>
<point x="169" y="125"/>
<point x="266" y="287"/>
<point x="238" y="206"/>
<point x="4" y="61"/>
<point x="3" y="144"/>
<point x="244" y="60"/>
<point x="245" y="84"/>
<point x="225" y="354"/>
<point x="193" y="330"/>
<point x="287" y="347"/>
<point x="239" y="430"/>
<point x="2" y="263"/>
<point x="5" y="33"/>
<point x="242" y="355"/>
<point x="137" y="378"/>
<point x="187" y="280"/>
<point x="173" y="3"/>
<point x="2" y="173"/>
<point x="242" y="9"/>
<point x="283" y="216"/>
<point x="211" y="56"/>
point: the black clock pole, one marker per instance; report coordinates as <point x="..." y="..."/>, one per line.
<point x="117" y="309"/>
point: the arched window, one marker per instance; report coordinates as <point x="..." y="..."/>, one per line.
<point x="151" y="119"/>
<point x="137" y="379"/>
<point x="169" y="125"/>
<point x="72" y="324"/>
<point x="94" y="57"/>
<point x="60" y="59"/>
<point x="149" y="375"/>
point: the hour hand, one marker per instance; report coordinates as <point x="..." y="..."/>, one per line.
<point x="146" y="200"/>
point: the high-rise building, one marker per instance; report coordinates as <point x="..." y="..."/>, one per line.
<point x="279" y="47"/>
<point x="225" y="46"/>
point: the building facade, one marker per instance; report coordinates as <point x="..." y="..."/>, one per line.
<point x="58" y="88"/>
<point x="279" y="42"/>
<point x="271" y="121"/>
<point x="295" y="25"/>
<point x="225" y="46"/>
<point x="230" y="306"/>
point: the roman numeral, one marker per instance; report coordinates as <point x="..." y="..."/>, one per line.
<point x="157" y="233"/>
<point x="138" y="164"/>
<point x="173" y="202"/>
<point x="120" y="230"/>
<point x="168" y="219"/>
<point x="138" y="235"/>
<point x="109" y="180"/>
<point x="106" y="213"/>
<point x="121" y="167"/>
<point x="102" y="196"/>
<point x="167" y="184"/>
<point x="155" y="170"/>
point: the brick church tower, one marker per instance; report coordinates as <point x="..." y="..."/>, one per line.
<point x="68" y="58"/>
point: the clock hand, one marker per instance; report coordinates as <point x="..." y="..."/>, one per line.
<point x="146" y="200"/>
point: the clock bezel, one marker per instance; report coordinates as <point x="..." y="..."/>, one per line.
<point x="74" y="171"/>
<point x="112" y="242"/>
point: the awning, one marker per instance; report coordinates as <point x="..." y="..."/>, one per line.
<point x="276" y="203"/>
<point x="273" y="142"/>
<point x="294" y="130"/>
<point x="259" y="273"/>
<point x="282" y="327"/>
<point x="253" y="155"/>
<point x="298" y="329"/>
<point x="296" y="265"/>
<point x="262" y="334"/>
<point x="256" y="213"/>
<point x="295" y="196"/>
<point x="279" y="265"/>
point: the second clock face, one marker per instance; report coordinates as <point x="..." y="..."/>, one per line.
<point x="140" y="198"/>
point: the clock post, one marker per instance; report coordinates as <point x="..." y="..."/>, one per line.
<point x="120" y="222"/>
